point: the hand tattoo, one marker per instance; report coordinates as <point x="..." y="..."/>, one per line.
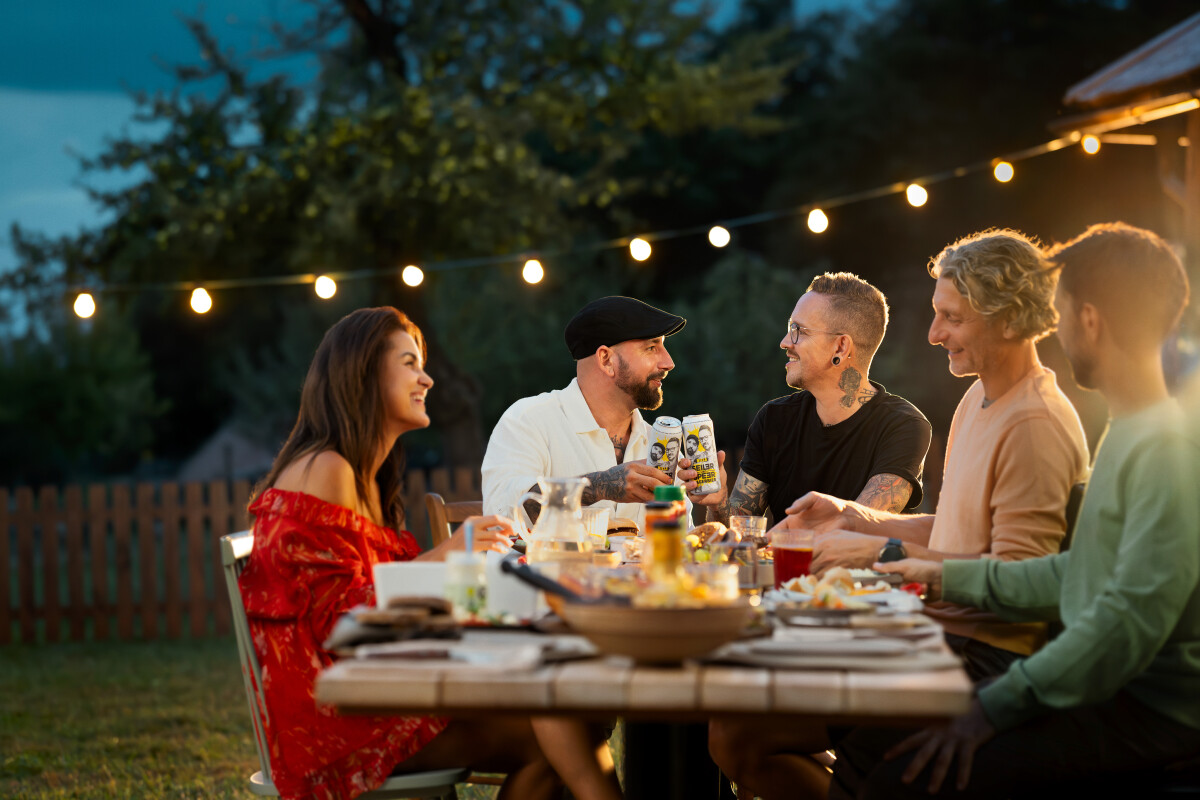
<point x="886" y="492"/>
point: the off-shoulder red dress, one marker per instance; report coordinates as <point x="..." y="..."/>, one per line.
<point x="311" y="562"/>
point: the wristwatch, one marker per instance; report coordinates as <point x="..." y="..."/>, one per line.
<point x="893" y="551"/>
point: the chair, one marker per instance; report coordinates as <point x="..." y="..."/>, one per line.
<point x="444" y="516"/>
<point x="235" y="549"/>
<point x="1074" y="501"/>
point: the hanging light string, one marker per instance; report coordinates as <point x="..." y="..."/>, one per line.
<point x="640" y="246"/>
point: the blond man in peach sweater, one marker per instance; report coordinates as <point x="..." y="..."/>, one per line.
<point x="1016" y="447"/>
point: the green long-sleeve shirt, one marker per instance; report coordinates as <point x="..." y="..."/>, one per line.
<point x="1127" y="590"/>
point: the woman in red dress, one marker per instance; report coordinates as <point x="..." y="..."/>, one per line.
<point x="329" y="510"/>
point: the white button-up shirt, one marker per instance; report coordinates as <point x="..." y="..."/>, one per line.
<point x="554" y="435"/>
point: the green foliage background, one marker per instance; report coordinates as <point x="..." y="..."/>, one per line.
<point x="443" y="131"/>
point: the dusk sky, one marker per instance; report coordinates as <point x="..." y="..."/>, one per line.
<point x="66" y="69"/>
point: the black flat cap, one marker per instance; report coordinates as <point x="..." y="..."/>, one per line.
<point x="612" y="320"/>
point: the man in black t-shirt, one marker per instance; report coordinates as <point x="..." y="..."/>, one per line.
<point x="841" y="434"/>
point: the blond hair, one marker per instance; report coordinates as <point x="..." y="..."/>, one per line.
<point x="1005" y="277"/>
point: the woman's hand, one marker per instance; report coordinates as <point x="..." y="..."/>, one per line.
<point x="490" y="533"/>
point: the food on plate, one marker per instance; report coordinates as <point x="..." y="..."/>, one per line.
<point x="631" y="548"/>
<point x="835" y="590"/>
<point x="710" y="533"/>
<point x="840" y="578"/>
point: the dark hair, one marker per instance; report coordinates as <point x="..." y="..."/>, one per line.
<point x="858" y="309"/>
<point x="341" y="405"/>
<point x="1130" y="275"/>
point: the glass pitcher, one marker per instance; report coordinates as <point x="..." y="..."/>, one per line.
<point x="559" y="534"/>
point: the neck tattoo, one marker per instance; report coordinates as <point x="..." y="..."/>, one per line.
<point x="619" y="443"/>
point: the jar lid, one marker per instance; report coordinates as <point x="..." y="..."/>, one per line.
<point x="668" y="493"/>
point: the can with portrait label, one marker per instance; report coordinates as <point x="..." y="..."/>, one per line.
<point x="700" y="445"/>
<point x="666" y="438"/>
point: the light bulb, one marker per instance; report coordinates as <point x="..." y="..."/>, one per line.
<point x="916" y="195"/>
<point x="1003" y="172"/>
<point x="325" y="287"/>
<point x="201" y="301"/>
<point x="1091" y="144"/>
<point x="533" y="272"/>
<point x="718" y="236"/>
<point x="817" y="221"/>
<point x="85" y="306"/>
<point x="412" y="275"/>
<point x="640" y="249"/>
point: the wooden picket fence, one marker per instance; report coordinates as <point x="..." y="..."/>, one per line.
<point x="139" y="561"/>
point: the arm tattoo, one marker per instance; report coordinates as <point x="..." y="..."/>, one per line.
<point x="849" y="382"/>
<point x="748" y="497"/>
<point x="886" y="492"/>
<point x="606" y="485"/>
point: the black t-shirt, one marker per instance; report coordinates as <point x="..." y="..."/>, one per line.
<point x="791" y="450"/>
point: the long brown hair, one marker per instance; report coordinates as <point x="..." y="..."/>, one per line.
<point x="341" y="405"/>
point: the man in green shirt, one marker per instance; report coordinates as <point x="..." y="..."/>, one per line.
<point x="1119" y="689"/>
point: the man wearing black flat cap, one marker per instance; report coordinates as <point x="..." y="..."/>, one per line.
<point x="591" y="428"/>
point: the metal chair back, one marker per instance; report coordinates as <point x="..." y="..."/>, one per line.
<point x="235" y="551"/>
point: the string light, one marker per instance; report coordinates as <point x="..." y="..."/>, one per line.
<point x="412" y="275"/>
<point x="639" y="248"/>
<point x="533" y="272"/>
<point x="85" y="305"/>
<point x="325" y="287"/>
<point x="201" y="302"/>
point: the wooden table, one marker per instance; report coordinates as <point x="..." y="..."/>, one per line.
<point x="603" y="688"/>
<point x="606" y="687"/>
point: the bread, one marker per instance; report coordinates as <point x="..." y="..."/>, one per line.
<point x="432" y="605"/>
<point x="710" y="533"/>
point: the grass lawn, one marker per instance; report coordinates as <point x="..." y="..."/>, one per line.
<point x="128" y="720"/>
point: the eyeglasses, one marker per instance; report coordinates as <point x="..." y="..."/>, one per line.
<point x="795" y="330"/>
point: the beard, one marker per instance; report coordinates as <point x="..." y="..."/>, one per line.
<point x="644" y="395"/>
<point x="1084" y="369"/>
<point x="795" y="379"/>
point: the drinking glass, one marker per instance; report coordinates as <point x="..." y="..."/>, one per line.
<point x="595" y="522"/>
<point x="793" y="551"/>
<point x="749" y="529"/>
<point x="744" y="556"/>
<point x="721" y="580"/>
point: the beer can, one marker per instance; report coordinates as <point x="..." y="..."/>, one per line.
<point x="666" y="439"/>
<point x="700" y="445"/>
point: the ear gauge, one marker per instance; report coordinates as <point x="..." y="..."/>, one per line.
<point x="837" y="360"/>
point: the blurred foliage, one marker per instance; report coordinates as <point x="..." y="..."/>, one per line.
<point x="83" y="398"/>
<point x="446" y="130"/>
<point x="728" y="359"/>
<point x="435" y="131"/>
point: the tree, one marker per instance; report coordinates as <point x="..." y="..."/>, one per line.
<point x="436" y="131"/>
